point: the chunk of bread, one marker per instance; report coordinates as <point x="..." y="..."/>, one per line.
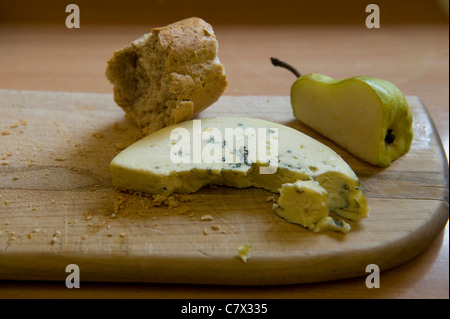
<point x="168" y="75"/>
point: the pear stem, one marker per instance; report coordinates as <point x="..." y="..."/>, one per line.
<point x="278" y="62"/>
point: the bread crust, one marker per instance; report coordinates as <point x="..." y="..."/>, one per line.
<point x="168" y="75"/>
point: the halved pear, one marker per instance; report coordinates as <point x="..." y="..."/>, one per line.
<point x="367" y="116"/>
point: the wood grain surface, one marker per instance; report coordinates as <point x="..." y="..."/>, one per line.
<point x="59" y="207"/>
<point x="37" y="52"/>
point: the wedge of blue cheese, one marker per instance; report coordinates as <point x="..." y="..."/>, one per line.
<point x="173" y="160"/>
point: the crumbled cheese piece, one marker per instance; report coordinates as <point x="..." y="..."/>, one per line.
<point x="306" y="203"/>
<point x="244" y="251"/>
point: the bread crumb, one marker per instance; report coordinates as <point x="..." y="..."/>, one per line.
<point x="6" y="132"/>
<point x="15" y="178"/>
<point x="122" y="235"/>
<point x="84" y="237"/>
<point x="184" y="198"/>
<point x="97" y="135"/>
<point x="215" y="227"/>
<point x="59" y="158"/>
<point x="158" y="200"/>
<point x="14" y="125"/>
<point x="172" y="202"/>
<point x="183" y="210"/>
<point x="121" y="146"/>
<point x="206" y="218"/>
<point x="117" y="128"/>
<point x="119" y="204"/>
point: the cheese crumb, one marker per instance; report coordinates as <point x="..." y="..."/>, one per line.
<point x="244" y="251"/>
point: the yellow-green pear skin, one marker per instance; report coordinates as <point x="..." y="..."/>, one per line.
<point x="367" y="116"/>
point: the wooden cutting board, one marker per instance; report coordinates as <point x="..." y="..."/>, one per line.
<point x="58" y="206"/>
